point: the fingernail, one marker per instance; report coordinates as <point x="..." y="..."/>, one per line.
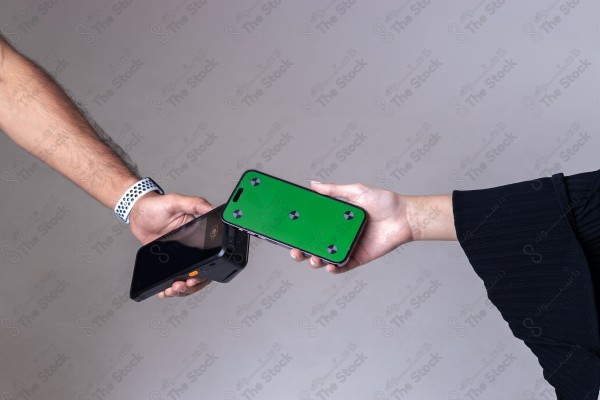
<point x="294" y="256"/>
<point x="193" y="282"/>
<point x="312" y="262"/>
<point x="315" y="182"/>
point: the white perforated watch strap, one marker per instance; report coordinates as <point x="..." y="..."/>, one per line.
<point x="124" y="206"/>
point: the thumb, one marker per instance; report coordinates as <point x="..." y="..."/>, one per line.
<point x="189" y="204"/>
<point x="341" y="191"/>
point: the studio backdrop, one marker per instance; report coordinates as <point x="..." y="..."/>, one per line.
<point x="420" y="97"/>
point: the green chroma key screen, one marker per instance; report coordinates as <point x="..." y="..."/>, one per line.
<point x="294" y="216"/>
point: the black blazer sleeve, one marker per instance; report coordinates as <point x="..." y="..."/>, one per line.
<point x="526" y="242"/>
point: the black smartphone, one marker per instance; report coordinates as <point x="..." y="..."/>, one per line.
<point x="204" y="247"/>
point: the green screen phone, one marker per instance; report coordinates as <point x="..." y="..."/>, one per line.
<point x="295" y="217"/>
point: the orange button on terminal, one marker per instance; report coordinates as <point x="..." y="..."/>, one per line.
<point x="193" y="273"/>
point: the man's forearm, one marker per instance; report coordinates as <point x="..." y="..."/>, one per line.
<point x="431" y="217"/>
<point x="38" y="115"/>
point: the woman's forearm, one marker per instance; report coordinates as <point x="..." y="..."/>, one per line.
<point x="430" y="217"/>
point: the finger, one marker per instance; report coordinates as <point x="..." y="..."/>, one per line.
<point x="297" y="255"/>
<point x="189" y="204"/>
<point x="185" y="287"/>
<point x="315" y="262"/>
<point x="334" y="269"/>
<point x="169" y="292"/>
<point x="195" y="288"/>
<point x="191" y="286"/>
<point x="194" y="281"/>
<point x="180" y="287"/>
<point x="341" y="191"/>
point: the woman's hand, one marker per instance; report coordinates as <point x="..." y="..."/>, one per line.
<point x="387" y="225"/>
<point x="392" y="220"/>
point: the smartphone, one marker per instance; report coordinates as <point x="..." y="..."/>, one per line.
<point x="204" y="247"/>
<point x="295" y="217"/>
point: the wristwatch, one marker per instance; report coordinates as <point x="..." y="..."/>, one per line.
<point x="125" y="204"/>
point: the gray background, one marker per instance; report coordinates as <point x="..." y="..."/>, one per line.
<point x="384" y="331"/>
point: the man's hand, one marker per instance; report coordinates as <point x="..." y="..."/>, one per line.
<point x="39" y="116"/>
<point x="392" y="220"/>
<point x="154" y="215"/>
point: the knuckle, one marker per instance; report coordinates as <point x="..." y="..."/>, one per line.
<point x="360" y="186"/>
